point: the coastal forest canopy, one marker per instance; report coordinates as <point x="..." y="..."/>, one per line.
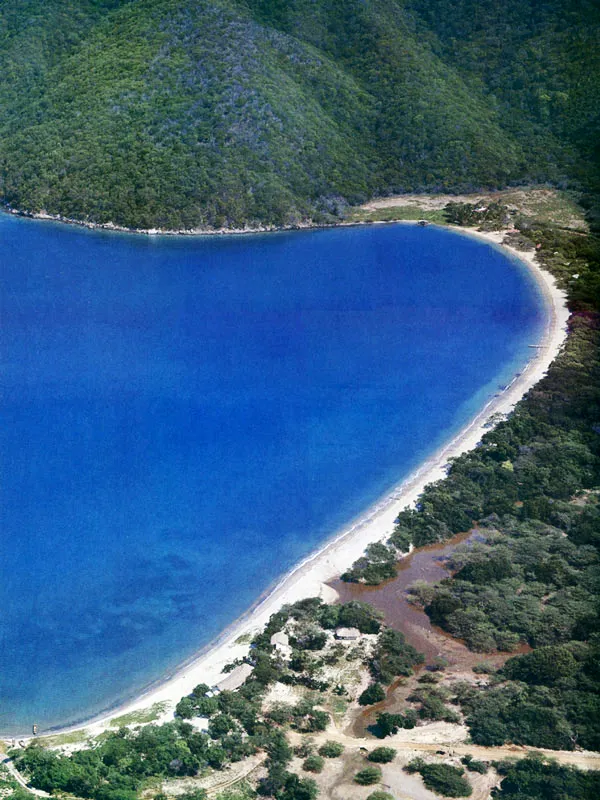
<point x="210" y="113"/>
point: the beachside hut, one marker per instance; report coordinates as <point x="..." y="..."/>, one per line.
<point x="234" y="679"/>
<point x="347" y="634"/>
<point x="281" y="643"/>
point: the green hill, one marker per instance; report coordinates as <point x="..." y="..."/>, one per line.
<point x="174" y="113"/>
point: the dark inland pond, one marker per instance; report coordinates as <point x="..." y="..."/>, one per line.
<point x="427" y="564"/>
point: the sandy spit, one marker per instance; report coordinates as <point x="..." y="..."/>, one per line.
<point x="308" y="579"/>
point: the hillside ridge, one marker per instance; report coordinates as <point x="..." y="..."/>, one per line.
<point x="242" y="113"/>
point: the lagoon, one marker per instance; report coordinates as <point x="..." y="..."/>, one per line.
<point x="184" y="419"/>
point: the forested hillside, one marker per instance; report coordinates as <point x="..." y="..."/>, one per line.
<point x="209" y="113"/>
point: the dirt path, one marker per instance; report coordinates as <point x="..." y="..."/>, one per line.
<point x="235" y="774"/>
<point x="428" y="202"/>
<point x="581" y="759"/>
<point x="8" y="763"/>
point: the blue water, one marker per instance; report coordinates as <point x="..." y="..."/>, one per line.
<point x="183" y="419"/>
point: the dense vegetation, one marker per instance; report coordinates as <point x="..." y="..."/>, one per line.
<point x="222" y="112"/>
<point x="392" y="657"/>
<point x="444" y="779"/>
<point x="530" y="574"/>
<point x="388" y="724"/>
<point x="548" y="698"/>
<point x="534" y="779"/>
<point x="374" y="693"/>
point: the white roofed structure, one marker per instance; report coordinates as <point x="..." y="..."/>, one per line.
<point x="280" y="639"/>
<point x="347" y="633"/>
<point x="234" y="679"/>
<point x="281" y="643"/>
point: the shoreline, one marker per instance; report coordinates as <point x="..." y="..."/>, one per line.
<point x="310" y="576"/>
<point x="110" y="226"/>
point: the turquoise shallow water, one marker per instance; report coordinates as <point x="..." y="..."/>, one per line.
<point x="184" y="419"/>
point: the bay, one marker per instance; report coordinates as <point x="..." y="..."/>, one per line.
<point x="184" y="419"/>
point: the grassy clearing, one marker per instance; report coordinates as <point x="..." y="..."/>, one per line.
<point x="73" y="737"/>
<point x="550" y="206"/>
<point x="394" y="213"/>
<point x="545" y="205"/>
<point x="142" y="716"/>
<point x="339" y="705"/>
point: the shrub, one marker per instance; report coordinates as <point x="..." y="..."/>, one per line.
<point x="296" y="788"/>
<point x="380" y="796"/>
<point x="444" y="779"/>
<point x="433" y="704"/>
<point x="368" y="776"/>
<point x="393" y="656"/>
<point x="474" y="766"/>
<point x="382" y="755"/>
<point x="331" y="749"/>
<point x="318" y="721"/>
<point x="374" y="693"/>
<point x="387" y="724"/>
<point x="304" y="749"/>
<point x="314" y="764"/>
<point x="484" y="668"/>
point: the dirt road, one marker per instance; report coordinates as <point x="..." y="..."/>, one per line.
<point x="582" y="759"/>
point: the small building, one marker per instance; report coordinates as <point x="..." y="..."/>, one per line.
<point x="281" y="643"/>
<point x="347" y="634"/>
<point x="234" y="679"/>
<point x="280" y="639"/>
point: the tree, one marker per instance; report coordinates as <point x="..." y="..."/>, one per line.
<point x="296" y="788"/>
<point x="331" y="749"/>
<point x="220" y="725"/>
<point x="546" y="665"/>
<point x="393" y="656"/>
<point x="278" y="748"/>
<point x="186" y="708"/>
<point x="382" y="755"/>
<point x="442" y="778"/>
<point x="193" y="794"/>
<point x="361" y="616"/>
<point x="314" y="764"/>
<point x="368" y="776"/>
<point x="374" y="693"/>
<point x="388" y="724"/>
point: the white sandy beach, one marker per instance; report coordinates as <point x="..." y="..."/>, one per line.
<point x="309" y="578"/>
